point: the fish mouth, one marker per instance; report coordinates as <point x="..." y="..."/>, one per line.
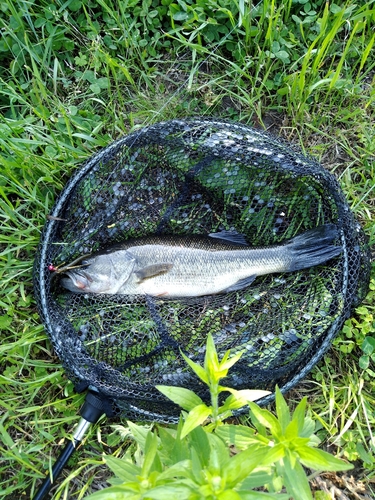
<point x="76" y="281"/>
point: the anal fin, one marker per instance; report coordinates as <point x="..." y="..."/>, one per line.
<point x="240" y="284"/>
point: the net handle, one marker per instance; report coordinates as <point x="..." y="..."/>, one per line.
<point x="93" y="408"/>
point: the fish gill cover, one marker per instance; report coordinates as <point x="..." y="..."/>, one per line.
<point x="180" y="179"/>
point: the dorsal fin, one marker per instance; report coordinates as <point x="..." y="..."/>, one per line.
<point x="230" y="237"/>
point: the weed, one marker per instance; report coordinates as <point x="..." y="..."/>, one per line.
<point x="195" y="462"/>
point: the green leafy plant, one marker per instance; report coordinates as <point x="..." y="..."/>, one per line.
<point x="357" y="330"/>
<point x="211" y="373"/>
<point x="368" y="348"/>
<point x="218" y="460"/>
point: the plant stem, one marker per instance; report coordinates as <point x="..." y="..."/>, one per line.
<point x="214" y="391"/>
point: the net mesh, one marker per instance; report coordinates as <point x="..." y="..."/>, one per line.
<point x="184" y="178"/>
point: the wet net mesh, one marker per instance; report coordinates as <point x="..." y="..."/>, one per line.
<point x="193" y="178"/>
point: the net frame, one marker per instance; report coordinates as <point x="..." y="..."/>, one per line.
<point x="191" y="150"/>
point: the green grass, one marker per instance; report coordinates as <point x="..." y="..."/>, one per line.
<point x="76" y="75"/>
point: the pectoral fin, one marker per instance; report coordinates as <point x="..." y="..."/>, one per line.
<point x="240" y="284"/>
<point x="152" y="270"/>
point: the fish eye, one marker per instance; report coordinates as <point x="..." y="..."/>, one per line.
<point x="85" y="263"/>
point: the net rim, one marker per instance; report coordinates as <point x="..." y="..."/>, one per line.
<point x="42" y="270"/>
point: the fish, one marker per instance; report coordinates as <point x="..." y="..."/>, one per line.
<point x="173" y="267"/>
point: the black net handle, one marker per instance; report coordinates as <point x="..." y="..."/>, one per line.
<point x="93" y="408"/>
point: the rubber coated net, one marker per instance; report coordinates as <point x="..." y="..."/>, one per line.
<point x="188" y="178"/>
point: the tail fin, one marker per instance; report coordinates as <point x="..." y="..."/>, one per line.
<point x="313" y="247"/>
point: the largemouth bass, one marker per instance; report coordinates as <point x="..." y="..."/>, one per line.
<point x="168" y="266"/>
